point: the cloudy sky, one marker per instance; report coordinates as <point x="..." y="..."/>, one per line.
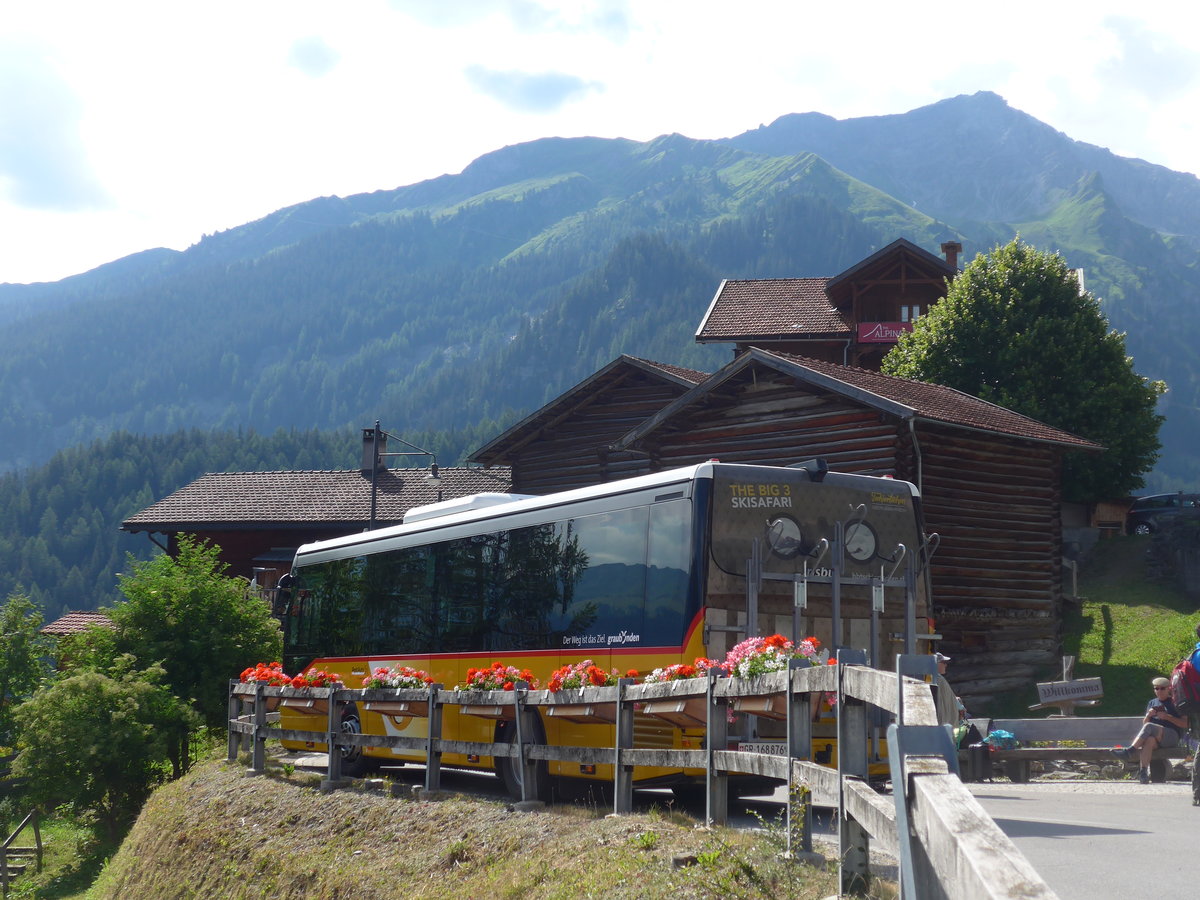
<point x="128" y="125"/>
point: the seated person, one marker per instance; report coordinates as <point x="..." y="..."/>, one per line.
<point x="1162" y="726"/>
<point x="950" y="709"/>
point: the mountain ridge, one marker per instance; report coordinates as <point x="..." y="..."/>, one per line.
<point x="479" y="296"/>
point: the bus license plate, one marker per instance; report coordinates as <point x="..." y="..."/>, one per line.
<point x="771" y="747"/>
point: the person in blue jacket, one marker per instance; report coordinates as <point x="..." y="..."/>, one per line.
<point x="1193" y="739"/>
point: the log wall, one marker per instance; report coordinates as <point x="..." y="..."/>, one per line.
<point x="572" y="452"/>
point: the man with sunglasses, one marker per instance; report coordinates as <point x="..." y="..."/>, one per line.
<point x="1162" y="726"/>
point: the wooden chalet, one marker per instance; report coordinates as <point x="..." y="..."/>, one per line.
<point x="258" y="519"/>
<point x="989" y="479"/>
<point x="853" y="318"/>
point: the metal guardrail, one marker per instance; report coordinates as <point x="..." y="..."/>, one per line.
<point x="947" y="844"/>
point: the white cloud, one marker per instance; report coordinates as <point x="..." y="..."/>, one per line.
<point x="43" y="161"/>
<point x="526" y="92"/>
<point x="140" y="123"/>
<point x="313" y="57"/>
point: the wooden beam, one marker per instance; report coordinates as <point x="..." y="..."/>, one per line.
<point x="962" y="844"/>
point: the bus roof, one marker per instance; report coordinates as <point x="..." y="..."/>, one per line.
<point x="476" y="512"/>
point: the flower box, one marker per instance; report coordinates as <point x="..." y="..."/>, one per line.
<point x="271" y="703"/>
<point x="769" y="706"/>
<point x="684" y="712"/>
<point x="310" y="706"/>
<point x="584" y="713"/>
<point x="502" y="712"/>
<point x="398" y="708"/>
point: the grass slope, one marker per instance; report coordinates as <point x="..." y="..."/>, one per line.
<point x="1130" y="627"/>
<point x="220" y="832"/>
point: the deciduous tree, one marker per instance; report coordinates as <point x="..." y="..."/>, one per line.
<point x="202" y="626"/>
<point x="100" y="742"/>
<point x="22" y="657"/>
<point x="1016" y="329"/>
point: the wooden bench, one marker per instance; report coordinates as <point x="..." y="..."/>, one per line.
<point x="1098" y="734"/>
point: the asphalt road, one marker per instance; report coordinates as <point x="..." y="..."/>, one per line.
<point x="1094" y="840"/>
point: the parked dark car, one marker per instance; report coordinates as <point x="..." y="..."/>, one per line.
<point x="1148" y="514"/>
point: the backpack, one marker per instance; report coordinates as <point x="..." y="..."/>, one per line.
<point x="1185" y="689"/>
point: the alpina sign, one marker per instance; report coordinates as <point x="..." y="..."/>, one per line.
<point x="882" y="332"/>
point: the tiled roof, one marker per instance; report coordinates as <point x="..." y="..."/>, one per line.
<point x="771" y="307"/>
<point x="76" y="623"/>
<point x="306" y="498"/>
<point x="901" y="397"/>
<point x="936" y="402"/>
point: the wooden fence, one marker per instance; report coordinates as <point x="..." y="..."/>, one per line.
<point x="947" y="845"/>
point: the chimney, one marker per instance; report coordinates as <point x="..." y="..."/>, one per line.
<point x="951" y="249"/>
<point x="369" y="458"/>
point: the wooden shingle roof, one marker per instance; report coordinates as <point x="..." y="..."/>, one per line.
<point x="233" y="500"/>
<point x="936" y="402"/>
<point x="75" y="623"/>
<point x="771" y="308"/>
<point x="904" y="398"/>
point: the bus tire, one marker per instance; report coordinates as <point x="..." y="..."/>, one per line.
<point x="690" y="796"/>
<point x="509" y="767"/>
<point x="354" y="761"/>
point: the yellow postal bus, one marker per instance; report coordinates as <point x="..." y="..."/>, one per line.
<point x="634" y="574"/>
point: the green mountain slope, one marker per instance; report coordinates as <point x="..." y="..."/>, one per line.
<point x="387" y="316"/>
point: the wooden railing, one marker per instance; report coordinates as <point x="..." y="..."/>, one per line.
<point x="946" y="843"/>
<point x="13" y="859"/>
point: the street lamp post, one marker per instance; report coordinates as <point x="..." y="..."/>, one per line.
<point x="432" y="479"/>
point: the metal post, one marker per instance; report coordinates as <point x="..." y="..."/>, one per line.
<point x="853" y="842"/>
<point x="910" y="604"/>
<point x="519" y="709"/>
<point x="873" y="659"/>
<point x="235" y="737"/>
<point x="333" y="771"/>
<point x="716" y="737"/>
<point x="799" y="746"/>
<point x="839" y="552"/>
<point x="258" y="756"/>
<point x="753" y="586"/>
<point x="374" y="472"/>
<point x="433" y="755"/>
<point x="622" y="773"/>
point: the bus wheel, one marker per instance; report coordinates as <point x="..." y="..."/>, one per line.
<point x="690" y="796"/>
<point x="354" y="761"/>
<point x="509" y="768"/>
